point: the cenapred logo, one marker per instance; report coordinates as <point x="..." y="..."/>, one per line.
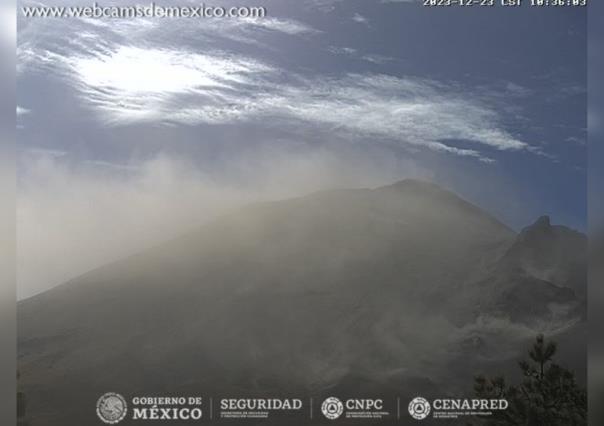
<point x="332" y="408"/>
<point x="419" y="408"/>
<point x="111" y="408"/>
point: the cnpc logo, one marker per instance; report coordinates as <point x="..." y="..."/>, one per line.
<point x="332" y="408"/>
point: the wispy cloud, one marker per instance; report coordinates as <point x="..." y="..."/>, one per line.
<point x="37" y="153"/>
<point x="146" y="79"/>
<point x="576" y="140"/>
<point x="368" y="57"/>
<point x="133" y="84"/>
<point x="142" y="84"/>
<point x="517" y="90"/>
<point x="287" y="26"/>
<point x="360" y="19"/>
<point x="409" y="111"/>
<point x="377" y="59"/>
<point x="342" y="50"/>
<point x="93" y="36"/>
<point x="136" y="70"/>
<point x="22" y="111"/>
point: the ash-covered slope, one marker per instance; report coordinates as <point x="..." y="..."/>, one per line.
<point x="552" y="253"/>
<point x="348" y="286"/>
<point x="542" y="277"/>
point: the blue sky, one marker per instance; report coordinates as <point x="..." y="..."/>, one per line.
<point x="489" y="102"/>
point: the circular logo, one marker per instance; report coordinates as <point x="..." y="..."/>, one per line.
<point x="419" y="408"/>
<point x="332" y="408"/>
<point x="111" y="408"/>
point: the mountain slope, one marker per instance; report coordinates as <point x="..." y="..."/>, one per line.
<point x="542" y="277"/>
<point x="551" y="253"/>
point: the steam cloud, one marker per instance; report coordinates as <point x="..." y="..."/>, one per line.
<point x="72" y="218"/>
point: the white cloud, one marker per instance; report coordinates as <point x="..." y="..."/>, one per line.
<point x="140" y="71"/>
<point x="95" y="36"/>
<point x="148" y="81"/>
<point x="517" y="90"/>
<point x="133" y="84"/>
<point x="45" y="152"/>
<point x="141" y="84"/>
<point x="29" y="57"/>
<point x="287" y="26"/>
<point x="342" y="50"/>
<point x="358" y="18"/>
<point x="368" y="57"/>
<point x="576" y="140"/>
<point x="410" y="111"/>
<point x="377" y="59"/>
<point x="22" y="111"/>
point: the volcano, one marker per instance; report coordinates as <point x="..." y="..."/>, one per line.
<point x="402" y="288"/>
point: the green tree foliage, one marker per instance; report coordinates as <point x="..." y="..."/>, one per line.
<point x="547" y="396"/>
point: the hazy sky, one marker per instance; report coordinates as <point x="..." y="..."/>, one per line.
<point x="132" y="130"/>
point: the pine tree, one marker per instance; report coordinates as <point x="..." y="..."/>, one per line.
<point x="548" y="395"/>
<point x="21" y="404"/>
